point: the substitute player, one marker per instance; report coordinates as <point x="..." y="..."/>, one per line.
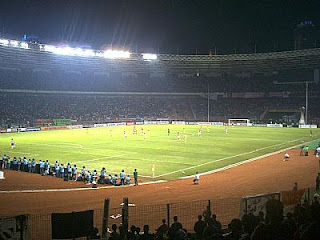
<point x="12" y="143"/>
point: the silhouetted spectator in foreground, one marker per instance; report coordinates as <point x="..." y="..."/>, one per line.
<point x="312" y="229"/>
<point x="131" y="233"/>
<point x="249" y="223"/>
<point x="114" y="235"/>
<point x="290" y="223"/>
<point x="94" y="234"/>
<point x="273" y="229"/>
<point x="199" y="226"/>
<point x="211" y="230"/>
<point x="146" y="235"/>
<point x="235" y="228"/>
<point x="162" y="230"/>
<point x="216" y="223"/>
<point x="261" y="216"/>
<point x="175" y="227"/>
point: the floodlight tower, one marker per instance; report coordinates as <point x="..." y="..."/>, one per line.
<point x="307" y="93"/>
<point x="208" y="103"/>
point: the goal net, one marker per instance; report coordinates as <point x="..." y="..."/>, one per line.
<point x="238" y="122"/>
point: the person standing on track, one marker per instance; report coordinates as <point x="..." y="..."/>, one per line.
<point x="135" y="176"/>
<point x="103" y="174"/>
<point x="74" y="172"/>
<point x="122" y="177"/>
<point x="41" y="165"/>
<point x="33" y="165"/>
<point x="69" y="171"/>
<point x="29" y="165"/>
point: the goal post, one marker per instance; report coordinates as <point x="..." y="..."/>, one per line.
<point x="238" y="122"/>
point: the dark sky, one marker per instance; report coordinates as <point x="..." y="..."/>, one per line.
<point x="167" y="26"/>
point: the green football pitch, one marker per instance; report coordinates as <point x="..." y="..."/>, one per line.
<point x="156" y="155"/>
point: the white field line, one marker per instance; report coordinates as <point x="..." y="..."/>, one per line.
<point x="247" y="161"/>
<point x="159" y="161"/>
<point x="78" y="146"/>
<point x="24" y="153"/>
<point x="91" y="160"/>
<point x="77" y="189"/>
<point x="225" y="158"/>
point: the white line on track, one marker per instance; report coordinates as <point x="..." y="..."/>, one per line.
<point x="78" y="189"/>
<point x="225" y="158"/>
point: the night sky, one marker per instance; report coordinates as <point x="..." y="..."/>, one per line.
<point x="165" y="26"/>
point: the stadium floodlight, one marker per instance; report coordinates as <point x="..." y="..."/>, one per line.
<point x="24" y="45"/>
<point x="66" y="51"/>
<point x="49" y="48"/>
<point x="84" y="52"/>
<point x="4" y="42"/>
<point x="99" y="54"/>
<point x="149" y="56"/>
<point x="14" y="43"/>
<point x="116" y="54"/>
<point x="58" y="50"/>
<point x="69" y="51"/>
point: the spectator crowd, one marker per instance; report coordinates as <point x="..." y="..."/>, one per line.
<point x="302" y="223"/>
<point x="25" y="108"/>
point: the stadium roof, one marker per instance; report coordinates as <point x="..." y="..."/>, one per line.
<point x="14" y="54"/>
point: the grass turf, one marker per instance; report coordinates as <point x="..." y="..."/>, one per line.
<point x="107" y="147"/>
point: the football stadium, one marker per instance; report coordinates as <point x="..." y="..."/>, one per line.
<point x="111" y="143"/>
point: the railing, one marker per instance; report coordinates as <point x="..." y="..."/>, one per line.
<point x="39" y="226"/>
